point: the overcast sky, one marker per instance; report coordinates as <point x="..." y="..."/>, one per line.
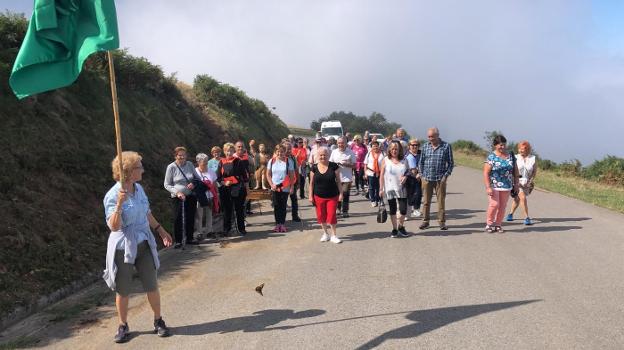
<point x="551" y="72"/>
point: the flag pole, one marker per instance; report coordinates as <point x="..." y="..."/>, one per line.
<point x="111" y="68"/>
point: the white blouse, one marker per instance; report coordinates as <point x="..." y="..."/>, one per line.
<point x="525" y="168"/>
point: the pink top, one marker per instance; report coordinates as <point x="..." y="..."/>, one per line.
<point x="360" y="153"/>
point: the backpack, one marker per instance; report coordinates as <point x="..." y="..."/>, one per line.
<point x="288" y="159"/>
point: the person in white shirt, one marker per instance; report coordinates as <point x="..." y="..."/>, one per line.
<point x="527" y="167"/>
<point x="345" y="158"/>
<point x="373" y="162"/>
<point x="209" y="177"/>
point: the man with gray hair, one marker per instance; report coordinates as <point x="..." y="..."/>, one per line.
<point x="345" y="158"/>
<point x="435" y="166"/>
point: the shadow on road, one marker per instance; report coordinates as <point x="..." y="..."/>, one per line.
<point x="458" y="214"/>
<point x="429" y="320"/>
<point x="549" y="220"/>
<point x="365" y="236"/>
<point x="437" y="233"/>
<point x="544" y="229"/>
<point x="259" y="321"/>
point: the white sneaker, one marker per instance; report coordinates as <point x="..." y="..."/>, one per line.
<point x="324" y="237"/>
<point x="335" y="239"/>
<point x="416" y="213"/>
<point x="373" y="204"/>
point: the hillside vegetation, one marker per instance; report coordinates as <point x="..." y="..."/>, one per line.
<point x="57" y="148"/>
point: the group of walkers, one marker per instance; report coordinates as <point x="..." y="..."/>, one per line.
<point x="394" y="170"/>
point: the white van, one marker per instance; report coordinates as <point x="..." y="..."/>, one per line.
<point x="332" y="129"/>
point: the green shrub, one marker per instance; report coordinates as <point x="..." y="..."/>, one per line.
<point x="609" y="170"/>
<point x="468" y="146"/>
<point x="546" y="164"/>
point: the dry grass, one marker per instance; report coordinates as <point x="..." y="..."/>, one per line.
<point x="611" y="197"/>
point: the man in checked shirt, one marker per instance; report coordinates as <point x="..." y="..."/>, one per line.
<point x="435" y="166"/>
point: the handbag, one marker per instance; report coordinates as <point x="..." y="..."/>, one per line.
<point x="514" y="188"/>
<point x="382" y="213"/>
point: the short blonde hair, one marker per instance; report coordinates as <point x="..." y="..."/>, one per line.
<point x="215" y="148"/>
<point x="414" y="141"/>
<point x="129" y="160"/>
<point x="179" y="149"/>
<point x="227" y="146"/>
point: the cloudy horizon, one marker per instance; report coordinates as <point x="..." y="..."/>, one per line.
<point x="551" y="72"/>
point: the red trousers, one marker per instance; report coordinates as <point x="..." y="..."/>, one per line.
<point x="326" y="209"/>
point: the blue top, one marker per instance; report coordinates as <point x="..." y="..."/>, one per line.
<point x="279" y="171"/>
<point x="133" y="215"/>
<point x="213" y="164"/>
<point x="501" y="175"/>
<point x="412" y="160"/>
<point x="436" y="163"/>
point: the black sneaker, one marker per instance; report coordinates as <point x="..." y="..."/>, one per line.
<point x="394" y="234"/>
<point x="177" y="246"/>
<point x="403" y="232"/>
<point x="443" y="227"/>
<point x="123" y="333"/>
<point x="160" y="328"/>
<point x="296" y="219"/>
<point x="192" y="242"/>
<point x="345" y="215"/>
<point x="424" y="225"/>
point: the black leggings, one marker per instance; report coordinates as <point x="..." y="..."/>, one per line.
<point x="280" y="201"/>
<point x="190" y="205"/>
<point x="392" y="203"/>
<point x="359" y="179"/>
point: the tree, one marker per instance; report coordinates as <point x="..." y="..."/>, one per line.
<point x="352" y="123"/>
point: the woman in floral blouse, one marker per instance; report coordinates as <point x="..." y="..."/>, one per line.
<point x="500" y="176"/>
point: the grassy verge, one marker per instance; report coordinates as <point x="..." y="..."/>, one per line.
<point x="611" y="197"/>
<point x="301" y="131"/>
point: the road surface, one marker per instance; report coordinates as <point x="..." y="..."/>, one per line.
<point x="556" y="285"/>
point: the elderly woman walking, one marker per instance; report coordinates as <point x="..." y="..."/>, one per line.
<point x="208" y="178"/>
<point x="325" y="193"/>
<point x="213" y="163"/>
<point x="281" y="177"/>
<point x="231" y="175"/>
<point x="527" y="169"/>
<point x="373" y="162"/>
<point x="131" y="244"/>
<point x="394" y="172"/>
<point x="360" y="150"/>
<point x="500" y="176"/>
<point x="179" y="182"/>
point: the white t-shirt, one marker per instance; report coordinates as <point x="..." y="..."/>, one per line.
<point x="208" y="175"/>
<point x="312" y="158"/>
<point x="338" y="157"/>
<point x="525" y="168"/>
<point x="368" y="161"/>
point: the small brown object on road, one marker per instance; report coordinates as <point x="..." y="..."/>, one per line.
<point x="223" y="244"/>
<point x="259" y="289"/>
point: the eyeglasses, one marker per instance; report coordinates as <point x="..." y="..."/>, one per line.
<point x="414" y="144"/>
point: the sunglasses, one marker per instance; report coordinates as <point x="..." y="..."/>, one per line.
<point x="414" y="144"/>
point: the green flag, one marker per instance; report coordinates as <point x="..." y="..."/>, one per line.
<point x="61" y="35"/>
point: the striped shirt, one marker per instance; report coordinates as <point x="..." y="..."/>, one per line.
<point x="436" y="163"/>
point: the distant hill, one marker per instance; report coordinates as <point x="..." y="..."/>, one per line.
<point x="57" y="148"/>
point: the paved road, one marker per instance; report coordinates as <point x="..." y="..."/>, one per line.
<point x="558" y="285"/>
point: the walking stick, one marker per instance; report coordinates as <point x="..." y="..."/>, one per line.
<point x="183" y="224"/>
